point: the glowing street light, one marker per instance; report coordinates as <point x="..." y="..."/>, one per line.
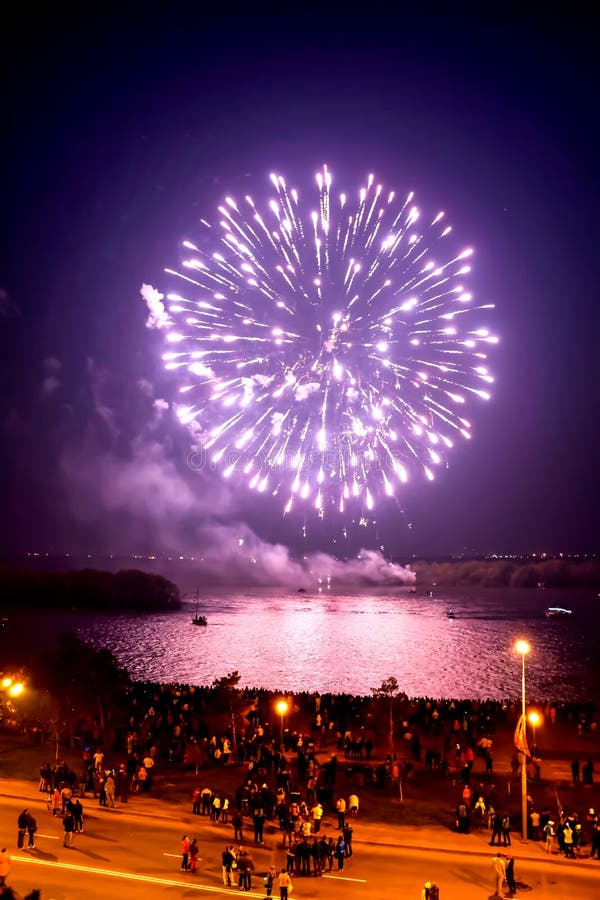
<point x="534" y="720"/>
<point x="523" y="648"/>
<point x="282" y="707"/>
<point x="12" y="688"/>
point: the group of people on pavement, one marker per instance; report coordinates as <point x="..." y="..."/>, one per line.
<point x="504" y="871"/>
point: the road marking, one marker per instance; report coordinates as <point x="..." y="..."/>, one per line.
<point x="178" y="856"/>
<point x="130" y="876"/>
<point x="49" y="837"/>
<point x="345" y="878"/>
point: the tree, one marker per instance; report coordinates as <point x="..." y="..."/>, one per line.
<point x="85" y="682"/>
<point x="388" y="691"/>
<point x="228" y="694"/>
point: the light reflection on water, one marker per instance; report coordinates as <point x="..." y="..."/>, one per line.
<point x="352" y="642"/>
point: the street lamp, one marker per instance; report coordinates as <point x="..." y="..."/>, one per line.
<point x="534" y="720"/>
<point x="523" y="648"/>
<point x="281" y="707"/>
<point x="12" y="688"/>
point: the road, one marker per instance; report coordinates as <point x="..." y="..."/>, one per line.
<point x="123" y="854"/>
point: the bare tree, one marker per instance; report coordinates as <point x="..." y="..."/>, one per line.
<point x="388" y="691"/>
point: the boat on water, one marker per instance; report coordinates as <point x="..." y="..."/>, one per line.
<point x="451" y="614"/>
<point x="557" y="612"/>
<point x="197" y="619"/>
<point x="412" y="590"/>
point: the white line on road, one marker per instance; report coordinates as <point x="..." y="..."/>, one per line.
<point x="130" y="876"/>
<point x="49" y="837"/>
<point x="345" y="878"/>
<point x="178" y="856"/>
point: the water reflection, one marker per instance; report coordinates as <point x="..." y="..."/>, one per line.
<point x="353" y="642"/>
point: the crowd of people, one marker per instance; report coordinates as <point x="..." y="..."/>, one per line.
<point x="289" y="778"/>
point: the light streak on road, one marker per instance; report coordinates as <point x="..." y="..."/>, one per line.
<point x="345" y="878"/>
<point x="130" y="876"/>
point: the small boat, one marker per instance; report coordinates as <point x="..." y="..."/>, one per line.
<point x="412" y="590"/>
<point x="557" y="612"/>
<point x="301" y="590"/>
<point x="451" y="614"/>
<point x="196" y="619"/>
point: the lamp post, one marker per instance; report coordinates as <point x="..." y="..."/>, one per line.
<point x="282" y="708"/>
<point x="523" y="648"/>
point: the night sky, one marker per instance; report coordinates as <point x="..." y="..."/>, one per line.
<point x="122" y="129"/>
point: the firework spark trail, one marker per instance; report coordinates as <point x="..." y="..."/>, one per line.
<point x="325" y="353"/>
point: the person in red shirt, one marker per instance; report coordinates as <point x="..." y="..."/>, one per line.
<point x="185" y="853"/>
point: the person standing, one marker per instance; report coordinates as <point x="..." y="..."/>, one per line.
<point x="22" y="827"/>
<point x="340" y="852"/>
<point x="194" y="853"/>
<point x="69" y="827"/>
<point x="430" y="891"/>
<point x="110" y="788"/>
<point x="77" y="810"/>
<point x="496" y="828"/>
<point x="185" y="853"/>
<point x="506" y="831"/>
<point x="549" y="835"/>
<point x="56" y="802"/>
<point x="5" y="866"/>
<point x="269" y="879"/>
<point x="347" y="835"/>
<point x="317" y="815"/>
<point x="575" y="771"/>
<point x="238" y="824"/>
<point x="341" y="812"/>
<point x="259" y="824"/>
<point x="285" y="883"/>
<point x="196" y="802"/>
<point x="31" y="830"/>
<point x="227" y="860"/>
<point x="499" y="873"/>
<point x="510" y="874"/>
<point x="245" y="868"/>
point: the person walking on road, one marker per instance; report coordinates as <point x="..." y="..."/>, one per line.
<point x="269" y="879"/>
<point x="506" y="831"/>
<point x="194" y="853"/>
<point x="227" y="860"/>
<point x="549" y="835"/>
<point x="31" y="830"/>
<point x="430" y="891"/>
<point x="5" y="866"/>
<point x="22" y="827"/>
<point x="69" y="827"/>
<point x="77" y="810"/>
<point x="285" y="883"/>
<point x="510" y="874"/>
<point x="500" y="874"/>
<point x="185" y="853"/>
<point x="340" y="853"/>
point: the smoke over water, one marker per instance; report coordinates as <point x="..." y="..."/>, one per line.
<point x="124" y="488"/>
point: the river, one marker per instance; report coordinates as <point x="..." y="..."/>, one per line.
<point x="351" y="642"/>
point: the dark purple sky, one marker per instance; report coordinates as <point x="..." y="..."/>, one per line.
<point x="122" y="129"/>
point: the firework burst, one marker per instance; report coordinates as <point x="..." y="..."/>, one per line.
<point x="326" y="352"/>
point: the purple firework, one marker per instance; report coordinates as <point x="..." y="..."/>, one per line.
<point x="326" y="352"/>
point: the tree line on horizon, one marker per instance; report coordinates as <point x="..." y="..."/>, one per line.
<point x="551" y="573"/>
<point x="87" y="589"/>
